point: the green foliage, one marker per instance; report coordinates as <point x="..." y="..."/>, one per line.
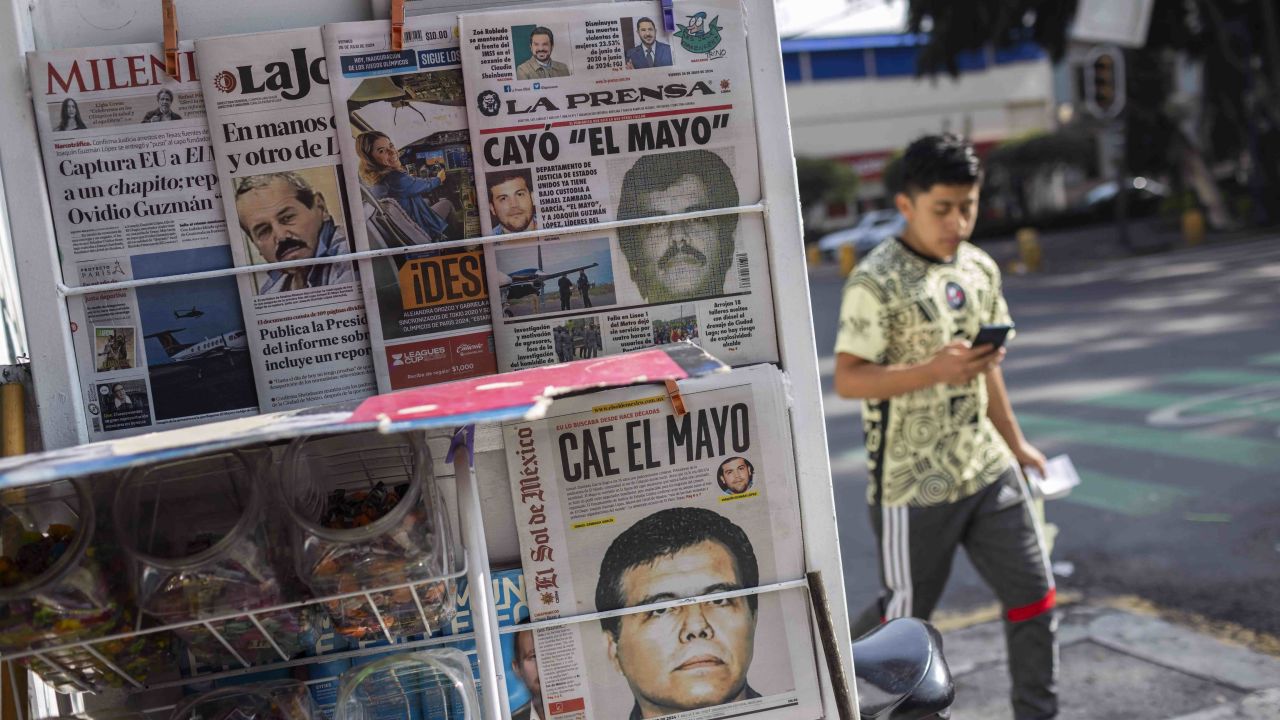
<point x="1045" y="150"/>
<point x="823" y="180"/>
<point x="956" y="26"/>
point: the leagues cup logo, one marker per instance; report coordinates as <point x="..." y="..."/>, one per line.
<point x="224" y="81"/>
<point x="698" y="35"/>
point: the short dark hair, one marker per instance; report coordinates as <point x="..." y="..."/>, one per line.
<point x="662" y="170"/>
<point x="302" y="190"/>
<point x="720" y="471"/>
<point x="946" y="159"/>
<point x="540" y="30"/>
<point x="495" y="179"/>
<point x="165" y="91"/>
<point x="663" y="534"/>
<point x="646" y="20"/>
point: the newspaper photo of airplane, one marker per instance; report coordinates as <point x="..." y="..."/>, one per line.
<point x="222" y="350"/>
<point x="528" y="282"/>
<point x="194" y="312"/>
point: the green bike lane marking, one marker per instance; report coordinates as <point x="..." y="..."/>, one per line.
<point x="1126" y="496"/>
<point x="1222" y="376"/>
<point x="1157" y="400"/>
<point x="1233" y="451"/>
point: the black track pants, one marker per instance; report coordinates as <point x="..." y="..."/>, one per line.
<point x="1004" y="541"/>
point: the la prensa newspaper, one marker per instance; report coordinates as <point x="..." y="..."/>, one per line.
<point x="407" y="163"/>
<point x="134" y="195"/>
<point x="620" y="502"/>
<point x="596" y="113"/>
<point x="272" y="124"/>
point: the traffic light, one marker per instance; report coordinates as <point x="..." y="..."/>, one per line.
<point x="1104" y="82"/>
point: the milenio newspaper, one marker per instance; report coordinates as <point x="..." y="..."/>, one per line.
<point x="596" y="113"/>
<point x="134" y="195"/>
<point x="406" y="158"/>
<point x="272" y="123"/>
<point x="620" y="502"/>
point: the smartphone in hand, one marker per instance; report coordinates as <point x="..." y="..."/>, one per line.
<point x="993" y="335"/>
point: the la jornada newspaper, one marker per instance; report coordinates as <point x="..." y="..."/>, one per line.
<point x="272" y="123"/>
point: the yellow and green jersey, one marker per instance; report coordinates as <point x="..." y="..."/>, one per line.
<point x="934" y="445"/>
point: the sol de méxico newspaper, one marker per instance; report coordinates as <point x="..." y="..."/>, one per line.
<point x="272" y="124"/>
<point x="620" y="502"/>
<point x="596" y="113"/>
<point x="134" y="195"/>
<point x="402" y="126"/>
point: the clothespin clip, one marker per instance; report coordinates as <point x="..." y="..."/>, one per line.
<point x="464" y="438"/>
<point x="169" y="11"/>
<point x="669" y="15"/>
<point x="677" y="399"/>
<point x="397" y="25"/>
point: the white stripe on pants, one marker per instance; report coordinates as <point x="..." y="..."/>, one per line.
<point x="895" y="546"/>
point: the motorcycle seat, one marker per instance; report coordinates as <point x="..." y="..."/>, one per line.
<point x="901" y="673"/>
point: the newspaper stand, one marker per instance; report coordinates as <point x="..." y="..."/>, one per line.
<point x="29" y="26"/>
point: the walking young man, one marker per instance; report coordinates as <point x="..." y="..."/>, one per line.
<point x="942" y="438"/>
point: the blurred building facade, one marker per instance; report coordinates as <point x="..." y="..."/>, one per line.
<point x="856" y="98"/>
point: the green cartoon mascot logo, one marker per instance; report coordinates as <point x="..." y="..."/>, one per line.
<point x="698" y="35"/>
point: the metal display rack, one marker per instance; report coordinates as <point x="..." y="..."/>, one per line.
<point x="49" y="24"/>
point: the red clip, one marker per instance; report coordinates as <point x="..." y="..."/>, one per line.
<point x="397" y="25"/>
<point x="677" y="400"/>
<point x="169" y="11"/>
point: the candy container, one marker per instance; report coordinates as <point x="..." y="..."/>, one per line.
<point x="365" y="515"/>
<point x="52" y="586"/>
<point x="196" y="533"/>
<point x="54" y="591"/>
<point x="278" y="700"/>
<point x="433" y="683"/>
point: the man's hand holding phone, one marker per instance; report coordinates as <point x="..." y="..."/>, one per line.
<point x="956" y="363"/>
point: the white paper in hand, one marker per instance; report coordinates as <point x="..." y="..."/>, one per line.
<point x="1060" y="477"/>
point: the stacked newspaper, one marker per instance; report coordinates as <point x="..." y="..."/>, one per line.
<point x="134" y="195"/>
<point x="621" y="502"/>
<point x="407" y="163"/>
<point x="271" y="120"/>
<point x="596" y="113"/>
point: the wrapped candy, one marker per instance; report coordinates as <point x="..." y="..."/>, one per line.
<point x="197" y="534"/>
<point x="365" y="515"/>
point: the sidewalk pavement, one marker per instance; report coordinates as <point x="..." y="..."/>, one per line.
<point x="1118" y="664"/>
<point x="1072" y="249"/>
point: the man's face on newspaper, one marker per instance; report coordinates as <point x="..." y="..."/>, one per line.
<point x="648" y="31"/>
<point x="512" y="204"/>
<point x="687" y="657"/>
<point x="525" y="665"/>
<point x="685" y="258"/>
<point x="736" y="474"/>
<point x="540" y="46"/>
<point x="279" y="224"/>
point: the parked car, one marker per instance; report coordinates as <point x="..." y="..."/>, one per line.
<point x="872" y="229"/>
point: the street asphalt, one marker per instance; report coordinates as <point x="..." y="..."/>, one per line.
<point x="1159" y="374"/>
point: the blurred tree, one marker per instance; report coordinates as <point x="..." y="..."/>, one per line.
<point x="823" y="181"/>
<point x="1235" y="42"/>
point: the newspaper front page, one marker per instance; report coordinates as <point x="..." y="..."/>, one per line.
<point x="134" y="195"/>
<point x="402" y="126"/>
<point x="619" y="502"/>
<point x="593" y="114"/>
<point x="272" y="123"/>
